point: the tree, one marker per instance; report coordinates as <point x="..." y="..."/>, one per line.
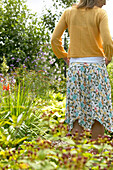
<point x="22" y="33"/>
<point x="49" y="17"/>
<point x="63" y="3"/>
<point x="25" y="38"/>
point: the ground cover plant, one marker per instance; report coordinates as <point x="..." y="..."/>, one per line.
<point x="33" y="132"/>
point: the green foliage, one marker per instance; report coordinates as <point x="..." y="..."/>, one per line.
<point x="23" y="94"/>
<point x="20" y="33"/>
<point x="15" y="112"/>
<point x="49" y="20"/>
<point x="63" y="3"/>
<point x="33" y="132"/>
<point x="110" y="73"/>
<point x="25" y="39"/>
<point x="61" y="154"/>
<point x="4" y="67"/>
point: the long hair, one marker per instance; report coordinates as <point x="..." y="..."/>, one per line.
<point x="87" y="3"/>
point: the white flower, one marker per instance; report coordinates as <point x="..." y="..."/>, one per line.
<point x="58" y="71"/>
<point x="59" y="79"/>
<point x="56" y="65"/>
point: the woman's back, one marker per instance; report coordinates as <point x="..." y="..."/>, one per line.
<point x="88" y="30"/>
<point x="84" y="31"/>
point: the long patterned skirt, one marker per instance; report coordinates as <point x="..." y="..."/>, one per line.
<point x="88" y="96"/>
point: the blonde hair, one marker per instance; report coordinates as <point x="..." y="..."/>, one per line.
<point x="87" y="3"/>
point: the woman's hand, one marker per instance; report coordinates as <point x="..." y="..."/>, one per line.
<point x="106" y="61"/>
<point x="66" y="60"/>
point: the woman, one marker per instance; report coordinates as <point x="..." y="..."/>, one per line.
<point x="88" y="102"/>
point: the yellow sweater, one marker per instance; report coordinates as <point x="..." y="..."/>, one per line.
<point x="89" y="34"/>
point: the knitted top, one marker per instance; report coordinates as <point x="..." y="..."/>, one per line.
<point x="89" y="34"/>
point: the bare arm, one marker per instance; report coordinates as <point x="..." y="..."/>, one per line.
<point x="107" y="62"/>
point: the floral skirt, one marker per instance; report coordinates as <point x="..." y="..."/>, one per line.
<point x="88" y="96"/>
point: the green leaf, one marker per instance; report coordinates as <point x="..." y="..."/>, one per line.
<point x="14" y="119"/>
<point x="67" y="140"/>
<point x="42" y="154"/>
<point x="19" y="117"/>
<point x="17" y="141"/>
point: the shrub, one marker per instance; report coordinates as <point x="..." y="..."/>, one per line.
<point x="21" y="37"/>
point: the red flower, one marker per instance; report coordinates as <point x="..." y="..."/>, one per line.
<point x="6" y="87"/>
